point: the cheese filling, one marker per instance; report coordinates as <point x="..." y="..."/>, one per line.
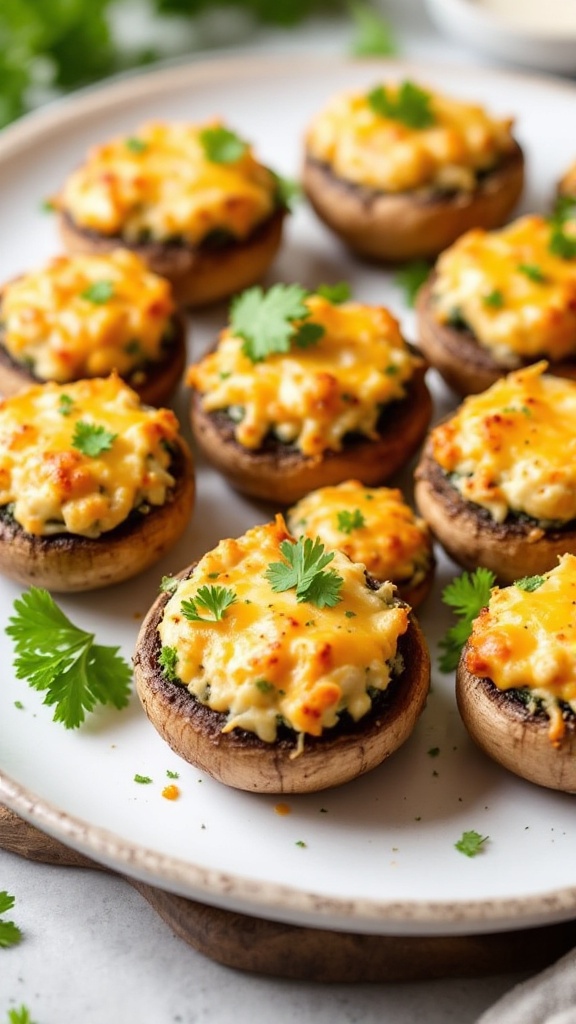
<point x="367" y="148"/>
<point x="513" y="447"/>
<point x="526" y="640"/>
<point x="49" y="479"/>
<point x="374" y="526"/>
<point x="311" y="397"/>
<point x="160" y="185"/>
<point x="85" y="316"/>
<point x="516" y="296"/>
<point x="272" y="660"/>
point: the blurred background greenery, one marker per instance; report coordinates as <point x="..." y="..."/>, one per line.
<point x="51" y="46"/>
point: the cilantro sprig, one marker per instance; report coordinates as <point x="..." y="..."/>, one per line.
<point x="55" y="656"/>
<point x="303" y="571"/>
<point x="466" y="595"/>
<point x="270" y="322"/>
<point x="349" y="521"/>
<point x="410" y="105"/>
<point x="212" y="599"/>
<point x="10" y="934"/>
<point x="222" y="146"/>
<point x="470" y="843"/>
<point x="92" y="439"/>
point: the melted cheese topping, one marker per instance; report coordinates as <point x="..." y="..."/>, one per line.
<point x="273" y="658"/>
<point x="52" y="487"/>
<point x="311" y="397"/>
<point x="390" y="540"/>
<point x="161" y="186"/>
<point x="51" y="324"/>
<point x="517" y="297"/>
<point x="527" y="640"/>
<point x="513" y="447"/>
<point x="370" y="149"/>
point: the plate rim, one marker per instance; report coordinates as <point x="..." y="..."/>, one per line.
<point x="269" y="900"/>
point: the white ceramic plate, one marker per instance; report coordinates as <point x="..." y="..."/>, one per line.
<point x="379" y="853"/>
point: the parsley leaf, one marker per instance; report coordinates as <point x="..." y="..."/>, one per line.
<point x="494" y="299"/>
<point x="65" y="405"/>
<point x="167" y="660"/>
<point x="303" y="570"/>
<point x="10" y="934"/>
<point x="92" y="439"/>
<point x="373" y="35"/>
<point x="21" y="1016"/>
<point x="410" y="105"/>
<point x="212" y="599"/>
<point x="222" y="146"/>
<point x="136" y="145"/>
<point x="266" y="320"/>
<point x="348" y="521"/>
<point x="335" y="293"/>
<point x="470" y="843"/>
<point x="99" y="292"/>
<point x="467" y="595"/>
<point x="530" y="583"/>
<point x="54" y="655"/>
<point x="532" y="271"/>
<point x="411" y="277"/>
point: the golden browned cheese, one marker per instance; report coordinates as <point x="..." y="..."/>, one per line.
<point x="80" y="458"/>
<point x="513" y="447"/>
<point x="372" y="525"/>
<point x="159" y="184"/>
<point x="311" y="397"/>
<point x="271" y="657"/>
<point x="85" y="316"/>
<point x="516" y="295"/>
<point x="367" y="148"/>
<point x="526" y="639"/>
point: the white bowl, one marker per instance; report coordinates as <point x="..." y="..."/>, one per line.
<point x="536" y="33"/>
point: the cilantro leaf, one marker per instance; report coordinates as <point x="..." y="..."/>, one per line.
<point x="222" y="146"/>
<point x="303" y="571"/>
<point x="470" y="843"/>
<point x="21" y="1016"/>
<point x="10" y="934"/>
<point x="466" y="595"/>
<point x="562" y="244"/>
<point x="530" y="583"/>
<point x="533" y="272"/>
<point x="136" y="145"/>
<point x="143" y="780"/>
<point x="288" y="191"/>
<point x="98" y="292"/>
<point x="266" y="320"/>
<point x="411" y="277"/>
<point x="335" y="293"/>
<point x="54" y="655"/>
<point x="213" y="599"/>
<point x="167" y="660"/>
<point x="348" y="521"/>
<point x="373" y="34"/>
<point x="410" y="105"/>
<point x="494" y="299"/>
<point x="307" y="334"/>
<point x="92" y="439"/>
<point x="65" y="405"/>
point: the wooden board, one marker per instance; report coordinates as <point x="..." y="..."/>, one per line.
<point x="313" y="954"/>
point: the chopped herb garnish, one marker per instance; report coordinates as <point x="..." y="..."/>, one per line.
<point x="167" y="661"/>
<point x="373" y="36"/>
<point x="143" y="780"/>
<point x="267" y="321"/>
<point x="65" y="405"/>
<point x="172" y="775"/>
<point x="168" y="584"/>
<point x="562" y="244"/>
<point x="92" y="439"/>
<point x="466" y="595"/>
<point x="301" y="843"/>
<point x="55" y="656"/>
<point x="264" y="686"/>
<point x="434" y="751"/>
<point x="411" y="277"/>
<point x="99" y="292"/>
<point x="19" y="705"/>
<point x="470" y="843"/>
<point x="136" y="145"/>
<point x="410" y="105"/>
<point x="335" y="293"/>
<point x="10" y="934"/>
<point x="349" y="521"/>
<point x="48" y="206"/>
<point x="532" y="271"/>
<point x="213" y="599"/>
<point x="350" y="615"/>
<point x="288" y="191"/>
<point x="222" y="146"/>
<point x="303" y="571"/>
<point x="494" y="299"/>
<point x="530" y="583"/>
<point x="20" y="1016"/>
